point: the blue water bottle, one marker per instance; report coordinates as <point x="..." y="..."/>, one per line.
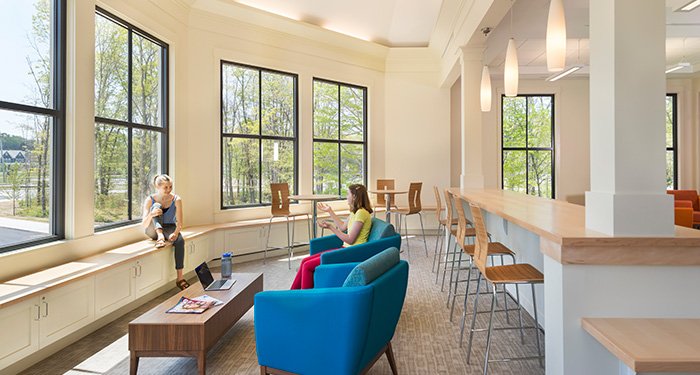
<point x="226" y="265"/>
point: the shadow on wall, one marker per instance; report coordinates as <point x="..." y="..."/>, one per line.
<point x="579" y="199"/>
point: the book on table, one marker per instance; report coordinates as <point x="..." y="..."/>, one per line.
<point x="190" y="306"/>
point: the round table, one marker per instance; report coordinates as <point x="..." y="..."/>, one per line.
<point x="314" y="198"/>
<point x="388" y="195"/>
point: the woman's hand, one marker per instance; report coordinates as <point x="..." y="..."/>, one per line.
<point x="172" y="237"/>
<point x="323" y="207"/>
<point x="156" y="212"/>
<point x="323" y="224"/>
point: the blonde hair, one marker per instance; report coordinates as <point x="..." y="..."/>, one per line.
<point x="159" y="179"/>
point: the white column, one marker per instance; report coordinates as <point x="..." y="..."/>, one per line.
<point x="472" y="174"/>
<point x="627" y="88"/>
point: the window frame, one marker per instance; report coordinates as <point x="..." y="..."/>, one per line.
<point x="674" y="148"/>
<point x="163" y="128"/>
<point x="527" y="148"/>
<point x="259" y="137"/>
<point x="339" y="141"/>
<point x="58" y="139"/>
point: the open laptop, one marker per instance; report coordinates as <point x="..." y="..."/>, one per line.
<point x="208" y="283"/>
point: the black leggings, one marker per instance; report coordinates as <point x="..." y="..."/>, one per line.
<point x="178" y="245"/>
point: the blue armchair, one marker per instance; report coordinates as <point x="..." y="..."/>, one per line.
<point x="341" y="327"/>
<point x="381" y="236"/>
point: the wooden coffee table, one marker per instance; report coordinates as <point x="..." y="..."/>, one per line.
<point x="159" y="334"/>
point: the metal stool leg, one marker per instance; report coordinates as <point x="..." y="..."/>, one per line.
<point x="437" y="245"/>
<point x="488" y="340"/>
<point x="423" y="230"/>
<point x="476" y="304"/>
<point x="289" y="247"/>
<point x="454" y="295"/>
<point x="466" y="296"/>
<point x="537" y="324"/>
<point x="447" y="255"/>
<point x="267" y="243"/>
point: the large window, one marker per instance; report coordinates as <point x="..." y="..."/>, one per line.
<point x="258" y="133"/>
<point x="528" y="146"/>
<point x="131" y="125"/>
<point x="671" y="144"/>
<point x="340" y="136"/>
<point x="32" y="104"/>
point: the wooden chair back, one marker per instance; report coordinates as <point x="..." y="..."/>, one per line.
<point x="481" y="250"/>
<point x="386" y="184"/>
<point x="280" y="199"/>
<point x="461" y="222"/>
<point x="448" y="204"/>
<point x="414" y="190"/>
<point x="438" y="203"/>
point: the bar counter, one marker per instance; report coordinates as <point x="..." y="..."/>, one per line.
<point x="589" y="274"/>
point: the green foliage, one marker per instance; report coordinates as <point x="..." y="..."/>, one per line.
<point x="670" y="154"/>
<point x="16" y="177"/>
<point x="14" y="142"/>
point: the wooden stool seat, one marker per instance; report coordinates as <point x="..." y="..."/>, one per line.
<point x="494" y="248"/>
<point x="521" y="273"/>
<point x="454" y="221"/>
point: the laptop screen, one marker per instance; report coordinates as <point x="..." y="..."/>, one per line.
<point x="204" y="275"/>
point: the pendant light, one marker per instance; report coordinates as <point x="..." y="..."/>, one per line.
<point x="510" y="73"/>
<point x="556" y="37"/>
<point x="485" y="89"/>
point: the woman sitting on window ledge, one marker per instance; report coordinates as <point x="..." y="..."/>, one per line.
<point x="357" y="226"/>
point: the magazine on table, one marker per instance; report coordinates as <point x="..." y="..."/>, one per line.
<point x="190" y="306"/>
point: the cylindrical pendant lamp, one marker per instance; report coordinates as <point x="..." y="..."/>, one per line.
<point x="510" y="73"/>
<point x="485" y="89"/>
<point x="556" y="37"/>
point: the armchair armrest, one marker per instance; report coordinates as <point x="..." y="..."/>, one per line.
<point x="291" y="335"/>
<point x="362" y="252"/>
<point x="318" y="245"/>
<point x="332" y="275"/>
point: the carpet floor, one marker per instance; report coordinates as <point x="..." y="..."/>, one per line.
<point x="426" y="342"/>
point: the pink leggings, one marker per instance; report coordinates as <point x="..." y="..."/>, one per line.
<point x="305" y="276"/>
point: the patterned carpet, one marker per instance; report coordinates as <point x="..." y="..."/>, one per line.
<point x="426" y="342"/>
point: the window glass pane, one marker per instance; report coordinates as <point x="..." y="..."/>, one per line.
<point x="669" y="121"/>
<point x="539" y="119"/>
<point x="325" y="110"/>
<point x="240" y="100"/>
<point x="351" y="113"/>
<point x="25" y="177"/>
<point x="25" y="67"/>
<point x="277" y="165"/>
<point x="514" y="171"/>
<point x="351" y="165"/>
<point x="514" y="120"/>
<point x="146" y="163"/>
<point x="241" y="171"/>
<point x="146" y="81"/>
<point x="539" y="164"/>
<point x="669" y="170"/>
<point x="278" y="105"/>
<point x="111" y="69"/>
<point x="326" y="168"/>
<point x="111" y="164"/>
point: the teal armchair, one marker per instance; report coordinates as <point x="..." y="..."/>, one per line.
<point x="381" y="236"/>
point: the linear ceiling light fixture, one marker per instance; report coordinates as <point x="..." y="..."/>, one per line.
<point x="690" y="6"/>
<point x="556" y="37"/>
<point x="564" y="73"/>
<point x="510" y="72"/>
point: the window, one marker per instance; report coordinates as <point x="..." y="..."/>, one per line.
<point x="528" y="147"/>
<point x="32" y="118"/>
<point x="258" y="133"/>
<point x="131" y="125"/>
<point x="340" y="136"/>
<point x="671" y="144"/>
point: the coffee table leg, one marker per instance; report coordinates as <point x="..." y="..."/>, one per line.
<point x="133" y="368"/>
<point x="202" y="362"/>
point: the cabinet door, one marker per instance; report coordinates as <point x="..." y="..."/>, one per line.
<point x="200" y="251"/>
<point x="114" y="288"/>
<point x="250" y="240"/>
<point x="19" y="325"/>
<point x="150" y="273"/>
<point x="65" y="310"/>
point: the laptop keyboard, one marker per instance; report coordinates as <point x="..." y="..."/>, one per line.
<point x="217" y="284"/>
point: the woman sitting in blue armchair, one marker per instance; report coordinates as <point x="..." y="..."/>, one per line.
<point x="357" y="226"/>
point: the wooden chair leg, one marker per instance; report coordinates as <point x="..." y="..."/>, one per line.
<point x="390" y="357"/>
<point x="263" y="370"/>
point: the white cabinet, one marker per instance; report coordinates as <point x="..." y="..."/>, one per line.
<point x="197" y="251"/>
<point x="19" y="325"/>
<point x="65" y="310"/>
<point x="150" y="274"/>
<point x="249" y="240"/>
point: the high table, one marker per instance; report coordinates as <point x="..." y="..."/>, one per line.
<point x="389" y="195"/>
<point x="314" y="198"/>
<point x="588" y="274"/>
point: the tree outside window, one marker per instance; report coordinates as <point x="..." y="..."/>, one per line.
<point x="671" y="138"/>
<point x="340" y="136"/>
<point x="528" y="148"/>
<point x="32" y="101"/>
<point x="130" y="118"/>
<point x="258" y="133"/>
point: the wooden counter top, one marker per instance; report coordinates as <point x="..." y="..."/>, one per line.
<point x="563" y="224"/>
<point x="650" y="345"/>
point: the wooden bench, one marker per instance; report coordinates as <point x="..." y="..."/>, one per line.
<point x="650" y="345"/>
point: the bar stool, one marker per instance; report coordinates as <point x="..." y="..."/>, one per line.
<point x="442" y="225"/>
<point x="414" y="207"/>
<point x="451" y="233"/>
<point x="280" y="208"/>
<point x="383" y="184"/>
<point x="521" y="273"/>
